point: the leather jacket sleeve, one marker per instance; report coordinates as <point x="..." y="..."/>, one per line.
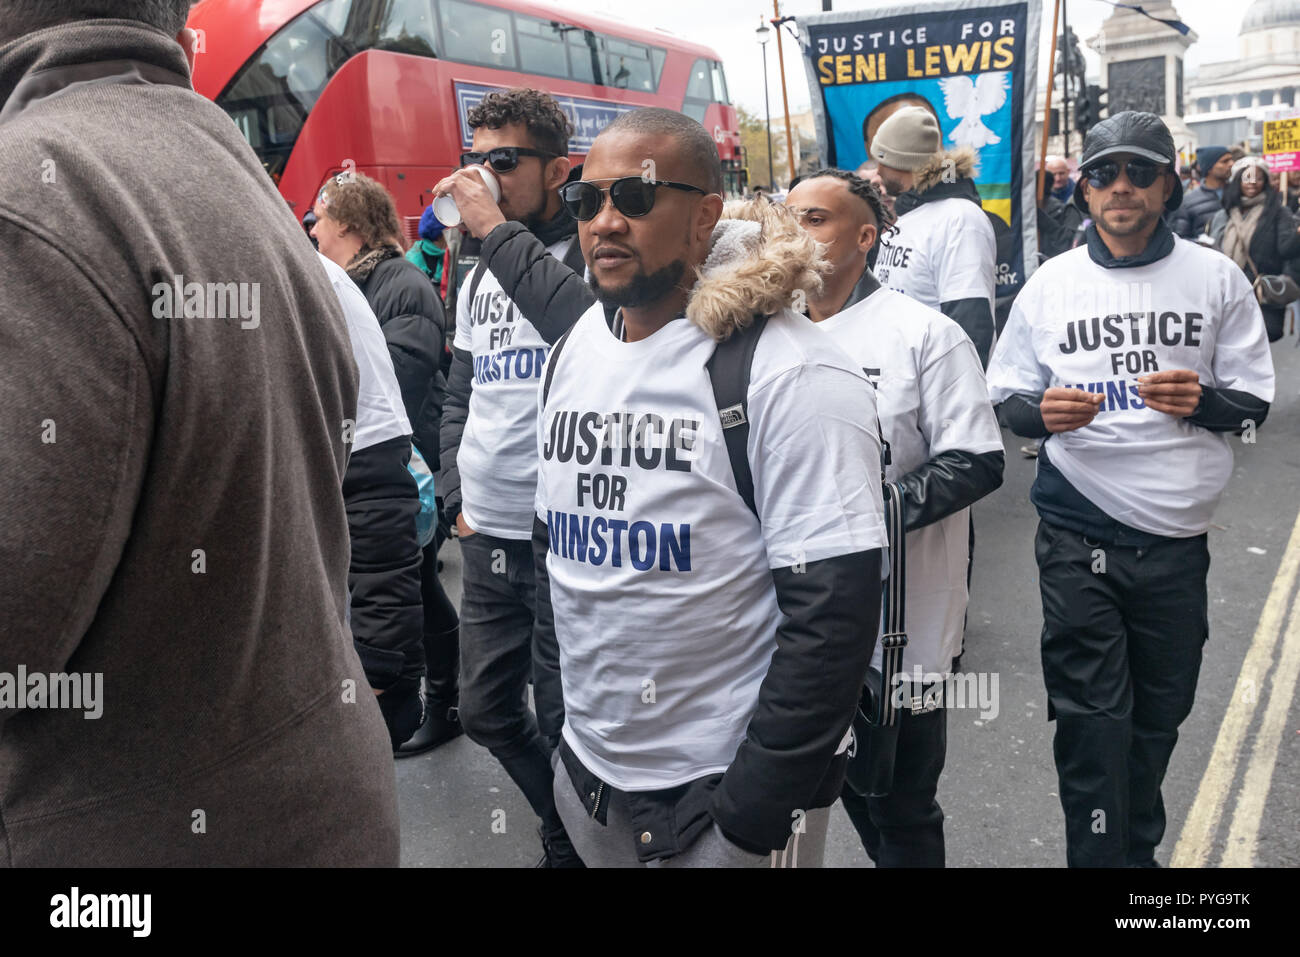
<point x="1228" y="410"/>
<point x="976" y="318"/>
<point x="948" y="483"/>
<point x="807" y="699"/>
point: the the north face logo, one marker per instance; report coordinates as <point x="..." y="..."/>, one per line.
<point x="732" y="416"/>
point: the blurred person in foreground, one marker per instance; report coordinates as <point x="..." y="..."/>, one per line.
<point x="174" y="416"/>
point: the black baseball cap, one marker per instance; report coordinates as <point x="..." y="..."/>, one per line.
<point x="1138" y="134"/>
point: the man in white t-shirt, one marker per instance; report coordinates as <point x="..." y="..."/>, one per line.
<point x="523" y="295"/>
<point x="942" y="251"/>
<point x="714" y="612"/>
<point x="1133" y="357"/>
<point x="945" y="453"/>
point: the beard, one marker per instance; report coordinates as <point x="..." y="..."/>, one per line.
<point x="1138" y="226"/>
<point x="643" y="289"/>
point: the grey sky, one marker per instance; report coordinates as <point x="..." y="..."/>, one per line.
<point x="728" y="27"/>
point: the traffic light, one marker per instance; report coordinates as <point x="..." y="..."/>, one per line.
<point x="1084" y="115"/>
<point x="1088" y="106"/>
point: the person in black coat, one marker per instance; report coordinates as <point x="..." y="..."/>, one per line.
<point x="357" y="227"/>
<point x="1200" y="204"/>
<point x="1258" y="233"/>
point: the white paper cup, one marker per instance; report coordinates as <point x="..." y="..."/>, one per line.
<point x="444" y="207"/>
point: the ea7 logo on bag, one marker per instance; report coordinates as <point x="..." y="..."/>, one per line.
<point x="75" y="910"/>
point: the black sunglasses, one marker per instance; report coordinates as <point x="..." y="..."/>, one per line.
<point x="632" y="196"/>
<point x="502" y="159"/>
<point x="1141" y="173"/>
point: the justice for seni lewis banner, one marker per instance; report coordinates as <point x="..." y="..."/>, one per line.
<point x="973" y="65"/>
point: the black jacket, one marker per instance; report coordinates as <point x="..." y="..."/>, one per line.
<point x="1060" y="503"/>
<point x="1199" y="207"/>
<point x="549" y="293"/>
<point x="973" y="315"/>
<point x="414" y="325"/>
<point x="387" y="614"/>
<point x="1274" y="246"/>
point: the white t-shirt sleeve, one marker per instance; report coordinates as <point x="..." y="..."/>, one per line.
<point x="1242" y="359"/>
<point x="968" y="261"/>
<point x="463" y="339"/>
<point x="954" y="411"/>
<point x="815" y="456"/>
<point x="1014" y="366"/>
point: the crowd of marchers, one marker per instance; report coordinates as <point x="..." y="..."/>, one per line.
<point x="709" y="466"/>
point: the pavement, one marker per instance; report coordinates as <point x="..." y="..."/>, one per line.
<point x="1232" y="793"/>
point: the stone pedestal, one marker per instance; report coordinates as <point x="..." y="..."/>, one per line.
<point x="1142" y="64"/>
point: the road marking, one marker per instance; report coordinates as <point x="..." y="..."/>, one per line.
<point x="1197" y="838"/>
<point x="1243" y="835"/>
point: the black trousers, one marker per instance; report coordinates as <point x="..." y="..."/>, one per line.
<point x="905" y="827"/>
<point x="1123" y="630"/>
<point x="496" y="664"/>
<point x="441" y="635"/>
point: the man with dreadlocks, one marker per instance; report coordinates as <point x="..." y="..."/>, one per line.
<point x="944" y="453"/>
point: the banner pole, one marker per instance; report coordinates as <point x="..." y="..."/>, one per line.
<point x="785" y="101"/>
<point x="1047" y="108"/>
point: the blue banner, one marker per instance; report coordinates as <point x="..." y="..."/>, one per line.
<point x="589" y="116"/>
<point x="972" y="64"/>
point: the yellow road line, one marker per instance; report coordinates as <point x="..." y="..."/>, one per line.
<point x="1243" y="835"/>
<point x="1197" y="838"/>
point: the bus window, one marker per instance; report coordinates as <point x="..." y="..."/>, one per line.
<point x="474" y="33"/>
<point x="699" y="91"/>
<point x="586" y="54"/>
<point x="627" y="66"/>
<point x="699" y="88"/>
<point x="719" y="84"/>
<point x="541" y="47"/>
<point x="408" y="28"/>
<point x="270" y="97"/>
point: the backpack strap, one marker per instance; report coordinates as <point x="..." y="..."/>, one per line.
<point x="729" y="371"/>
<point x="551" y="363"/>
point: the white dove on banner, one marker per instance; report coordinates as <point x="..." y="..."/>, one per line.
<point x="969" y="98"/>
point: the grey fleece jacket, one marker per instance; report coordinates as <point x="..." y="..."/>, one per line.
<point x="174" y="526"/>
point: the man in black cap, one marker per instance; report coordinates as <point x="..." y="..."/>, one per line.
<point x="1198" y="207"/>
<point x="1134" y="357"/>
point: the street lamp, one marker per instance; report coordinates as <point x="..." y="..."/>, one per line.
<point x="764" y="31"/>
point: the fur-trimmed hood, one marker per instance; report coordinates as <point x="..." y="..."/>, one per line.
<point x="360" y="268"/>
<point x="962" y="162"/>
<point x="760" y="257"/>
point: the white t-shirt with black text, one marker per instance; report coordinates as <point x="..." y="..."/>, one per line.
<point x="931" y="398"/>
<point x="497" y="457"/>
<point x="1079" y="325"/>
<point x="940" y="252"/>
<point x="660" y="576"/>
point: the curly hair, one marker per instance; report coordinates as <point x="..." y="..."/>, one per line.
<point x="548" y="126"/>
<point x="863" y="190"/>
<point x="364" y="206"/>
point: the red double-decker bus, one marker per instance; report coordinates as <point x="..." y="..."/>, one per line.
<point x="383" y="86"/>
